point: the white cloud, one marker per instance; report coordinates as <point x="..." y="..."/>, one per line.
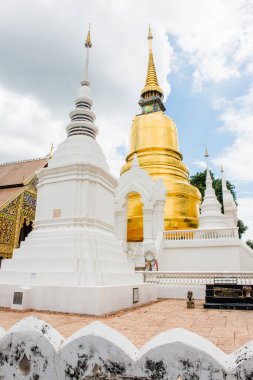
<point x="200" y="163"/>
<point x="26" y="126"/>
<point x="236" y="117"/>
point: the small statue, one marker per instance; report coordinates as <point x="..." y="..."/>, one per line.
<point x="149" y="256"/>
<point x="190" y="300"/>
<point x="247" y="289"/>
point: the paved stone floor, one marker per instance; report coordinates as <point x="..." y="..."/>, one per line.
<point x="228" y="329"/>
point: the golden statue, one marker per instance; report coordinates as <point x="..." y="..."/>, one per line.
<point x="154" y="139"/>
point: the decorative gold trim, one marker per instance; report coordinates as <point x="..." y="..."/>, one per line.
<point x="20" y="207"/>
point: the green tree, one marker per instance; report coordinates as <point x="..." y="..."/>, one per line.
<point x="199" y="180"/>
<point x="250" y="243"/>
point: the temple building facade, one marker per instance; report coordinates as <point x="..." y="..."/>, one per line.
<point x="18" y="194"/>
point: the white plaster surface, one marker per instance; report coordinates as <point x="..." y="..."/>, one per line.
<point x="205" y="255"/>
<point x="180" y="291"/>
<point x="35" y="339"/>
<point x="98" y="345"/>
<point x="95" y="300"/>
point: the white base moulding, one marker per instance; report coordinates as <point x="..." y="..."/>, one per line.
<point x="93" y="300"/>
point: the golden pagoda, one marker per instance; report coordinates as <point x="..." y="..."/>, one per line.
<point x="154" y="139"/>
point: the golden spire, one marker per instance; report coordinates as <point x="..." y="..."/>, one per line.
<point x="88" y="39"/>
<point x="207" y="161"/>
<point x="51" y="150"/>
<point x="151" y="79"/>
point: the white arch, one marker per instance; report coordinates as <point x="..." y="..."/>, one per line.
<point x="153" y="193"/>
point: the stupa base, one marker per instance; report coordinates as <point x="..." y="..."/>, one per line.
<point x="92" y="300"/>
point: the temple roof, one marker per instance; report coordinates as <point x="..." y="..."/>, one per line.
<point x="13" y="176"/>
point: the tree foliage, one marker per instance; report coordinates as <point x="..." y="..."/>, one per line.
<point x="199" y="180"/>
<point x="250" y="243"/>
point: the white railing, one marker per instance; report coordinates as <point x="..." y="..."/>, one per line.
<point x="197" y="278"/>
<point x="202" y="234"/>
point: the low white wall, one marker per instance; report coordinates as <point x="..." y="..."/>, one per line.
<point x="180" y="291"/>
<point x="32" y="349"/>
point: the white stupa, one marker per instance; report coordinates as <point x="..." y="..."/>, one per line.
<point x="211" y="215"/>
<point x="230" y="208"/>
<point x="72" y="260"/>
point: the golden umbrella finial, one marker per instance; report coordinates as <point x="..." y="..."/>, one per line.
<point x="206" y="153"/>
<point x="151" y="79"/>
<point x="51" y="150"/>
<point x="150" y="36"/>
<point x="88" y="43"/>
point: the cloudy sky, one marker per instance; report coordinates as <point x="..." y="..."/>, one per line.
<point x="204" y="57"/>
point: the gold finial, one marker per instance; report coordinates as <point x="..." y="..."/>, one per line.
<point x="206" y="153"/>
<point x="51" y="150"/>
<point x="88" y="43"/>
<point x="151" y="79"/>
<point x="150" y="36"/>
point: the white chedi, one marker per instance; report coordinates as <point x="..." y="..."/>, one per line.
<point x="211" y="215"/>
<point x="230" y="208"/>
<point x="72" y="260"/>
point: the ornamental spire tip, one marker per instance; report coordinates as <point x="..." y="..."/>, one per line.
<point x="51" y="150"/>
<point x="151" y="86"/>
<point x="150" y="36"/>
<point x="88" y="43"/>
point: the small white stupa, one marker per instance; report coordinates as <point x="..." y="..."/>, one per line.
<point x="211" y="215"/>
<point x="72" y="261"/>
<point x="230" y="208"/>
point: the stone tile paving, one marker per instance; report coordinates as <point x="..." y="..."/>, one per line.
<point x="228" y="329"/>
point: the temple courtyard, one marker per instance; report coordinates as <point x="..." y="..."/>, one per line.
<point x="228" y="329"/>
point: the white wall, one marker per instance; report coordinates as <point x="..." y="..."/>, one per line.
<point x="32" y="349"/>
<point x="204" y="255"/>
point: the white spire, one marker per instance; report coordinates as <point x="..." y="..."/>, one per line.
<point x="135" y="161"/>
<point x="88" y="45"/>
<point x="211" y="215"/>
<point x="229" y="205"/>
<point x="82" y="118"/>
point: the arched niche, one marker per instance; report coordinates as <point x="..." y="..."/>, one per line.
<point x="136" y="188"/>
<point x="134" y="206"/>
